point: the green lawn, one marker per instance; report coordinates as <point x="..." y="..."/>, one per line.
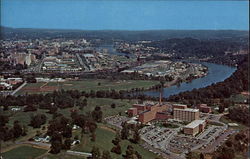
<point x="89" y="84"/>
<point x="104" y="103"/>
<point x="238" y="98"/>
<point x="23" y="152"/>
<point x="103" y="141"/>
<point x="226" y="120"/>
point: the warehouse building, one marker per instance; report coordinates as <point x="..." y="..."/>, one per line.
<point x="194" y="127"/>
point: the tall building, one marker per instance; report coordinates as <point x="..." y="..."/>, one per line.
<point x="186" y="114"/>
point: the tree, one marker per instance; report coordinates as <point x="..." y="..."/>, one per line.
<point x="29" y="108"/>
<point x="96" y="153"/>
<point x="162" y="83"/>
<point x="221" y="109"/>
<point x="38" y="120"/>
<point x="202" y="156"/>
<point x="124" y="131"/>
<point x="117" y="149"/>
<point x="5" y="108"/>
<point x="83" y="103"/>
<point x="53" y="109"/>
<point x="93" y="136"/>
<point x="4" y="119"/>
<point x="67" y="144"/>
<point x="56" y="143"/>
<point x="97" y="114"/>
<point x="56" y="147"/>
<point x="67" y="132"/>
<point x="117" y="139"/>
<point x="113" y="105"/>
<point x="136" y="136"/>
<point x="130" y="154"/>
<point x="138" y="155"/>
<point x="192" y="155"/>
<point x="18" y="131"/>
<point x="106" y="155"/>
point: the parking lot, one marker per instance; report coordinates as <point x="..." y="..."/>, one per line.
<point x="210" y="133"/>
<point x="172" y="143"/>
<point x="182" y="144"/>
<point x="158" y="137"/>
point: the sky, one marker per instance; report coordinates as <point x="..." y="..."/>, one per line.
<point x="126" y="14"/>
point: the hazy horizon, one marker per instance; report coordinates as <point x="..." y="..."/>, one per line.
<point x="125" y="15"/>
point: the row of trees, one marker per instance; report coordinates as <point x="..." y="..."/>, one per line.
<point x="70" y="98"/>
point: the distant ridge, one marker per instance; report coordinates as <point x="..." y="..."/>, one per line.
<point x="8" y="32"/>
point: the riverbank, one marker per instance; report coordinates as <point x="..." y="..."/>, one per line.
<point x="216" y="73"/>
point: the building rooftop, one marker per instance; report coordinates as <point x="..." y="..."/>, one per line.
<point x="194" y="124"/>
<point x="131" y="108"/>
<point x="179" y="105"/>
<point x="188" y="109"/>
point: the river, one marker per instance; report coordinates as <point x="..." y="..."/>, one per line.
<point x="112" y="50"/>
<point x="216" y="73"/>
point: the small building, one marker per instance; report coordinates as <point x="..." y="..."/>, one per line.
<point x="179" y="106"/>
<point x="204" y="108"/>
<point x="132" y="112"/>
<point x="194" y="127"/>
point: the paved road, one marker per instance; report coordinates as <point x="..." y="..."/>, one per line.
<point x="77" y="153"/>
<point x="20" y="87"/>
<point x="38" y="144"/>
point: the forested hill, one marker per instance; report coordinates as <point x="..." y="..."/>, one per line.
<point x="190" y="47"/>
<point x="236" y="83"/>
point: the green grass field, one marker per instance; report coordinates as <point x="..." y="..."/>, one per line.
<point x="23" y="152"/>
<point x="103" y="141"/>
<point x="226" y="120"/>
<point x="85" y="85"/>
<point x="104" y="103"/>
